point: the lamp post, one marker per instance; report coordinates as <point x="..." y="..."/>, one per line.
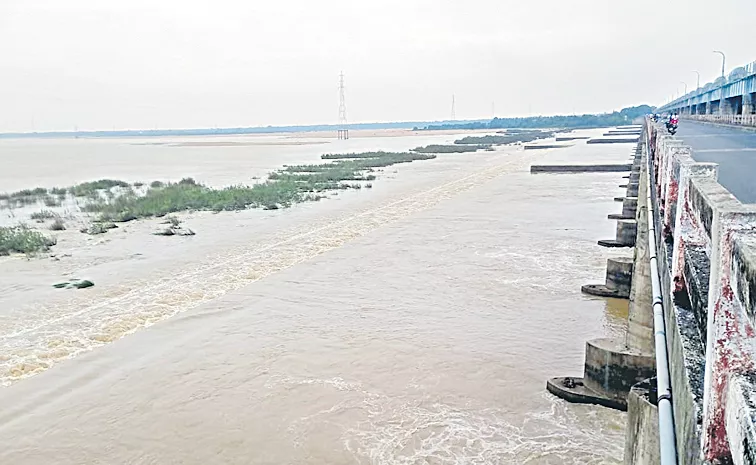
<point x="723" y="60"/>
<point x="698" y="80"/>
<point x="686" y="87"/>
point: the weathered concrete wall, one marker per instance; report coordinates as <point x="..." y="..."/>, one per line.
<point x="707" y="242"/>
<point x="741" y="420"/>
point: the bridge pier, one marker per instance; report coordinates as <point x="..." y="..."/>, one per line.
<point x="629" y="209"/>
<point x="748" y="104"/>
<point x="642" y="436"/>
<point x="619" y="272"/>
<point x="640" y="332"/>
<point x="613" y="366"/>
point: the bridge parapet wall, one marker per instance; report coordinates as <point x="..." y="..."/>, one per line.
<point x="708" y="248"/>
<point x="732" y="119"/>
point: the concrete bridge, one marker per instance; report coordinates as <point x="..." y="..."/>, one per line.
<point x="730" y="99"/>
<point x="686" y="370"/>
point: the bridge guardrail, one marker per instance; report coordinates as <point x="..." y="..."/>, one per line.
<point x="739" y="120"/>
<point x="707" y="250"/>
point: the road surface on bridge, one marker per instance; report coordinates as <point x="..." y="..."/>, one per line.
<point x="733" y="148"/>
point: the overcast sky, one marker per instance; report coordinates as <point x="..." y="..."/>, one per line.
<point x="103" y="64"/>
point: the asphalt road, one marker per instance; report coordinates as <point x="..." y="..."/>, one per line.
<point x="733" y="148"/>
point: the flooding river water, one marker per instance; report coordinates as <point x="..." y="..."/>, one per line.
<point x="413" y="323"/>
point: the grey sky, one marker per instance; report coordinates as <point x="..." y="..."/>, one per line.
<point x="102" y="64"/>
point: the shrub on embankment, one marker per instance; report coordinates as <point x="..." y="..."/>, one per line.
<point x="21" y="239"/>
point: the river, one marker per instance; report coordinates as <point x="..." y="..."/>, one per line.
<point x="412" y="323"/>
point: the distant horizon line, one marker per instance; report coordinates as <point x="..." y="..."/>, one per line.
<point x="271" y="129"/>
<point x="239" y="129"/>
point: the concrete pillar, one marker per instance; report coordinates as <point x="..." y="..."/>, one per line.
<point x="625" y="235"/>
<point x="748" y="103"/>
<point x="707" y="108"/>
<point x="629" y="208"/>
<point x="619" y="273"/>
<point x="640" y="328"/>
<point x="611" y="369"/>
<point x="642" y="433"/>
<point x="725" y="106"/>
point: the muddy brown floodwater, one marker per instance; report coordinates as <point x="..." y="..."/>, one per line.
<point x="413" y="323"/>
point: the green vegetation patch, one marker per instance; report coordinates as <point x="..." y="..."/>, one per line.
<point x="378" y="155"/>
<point x="89" y="189"/>
<point x="51" y="201"/>
<point x="437" y="148"/>
<point x="523" y="136"/>
<point x="58" y="225"/>
<point x="292" y="184"/>
<point x="43" y="215"/>
<point x="346" y="167"/>
<point x="36" y="192"/>
<point x="24" y="197"/>
<point x="21" y="239"/>
<point x="180" y="197"/>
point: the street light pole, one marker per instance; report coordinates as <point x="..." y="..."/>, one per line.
<point x="686" y="87"/>
<point x="723" y="60"/>
<point x="698" y="80"/>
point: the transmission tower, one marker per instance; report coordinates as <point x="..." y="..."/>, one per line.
<point x="454" y="111"/>
<point x="343" y="131"/>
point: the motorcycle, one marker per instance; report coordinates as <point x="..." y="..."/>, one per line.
<point x="672" y="126"/>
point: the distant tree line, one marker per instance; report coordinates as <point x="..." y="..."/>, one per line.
<point x="624" y="116"/>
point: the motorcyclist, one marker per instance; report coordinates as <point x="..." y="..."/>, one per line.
<point x="671" y="123"/>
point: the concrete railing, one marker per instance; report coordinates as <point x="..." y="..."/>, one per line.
<point x="740" y="120"/>
<point x="707" y="261"/>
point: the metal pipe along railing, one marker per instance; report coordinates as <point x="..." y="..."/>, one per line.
<point x="667" y="442"/>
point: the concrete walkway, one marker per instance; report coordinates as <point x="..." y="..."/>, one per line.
<point x="733" y="148"/>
